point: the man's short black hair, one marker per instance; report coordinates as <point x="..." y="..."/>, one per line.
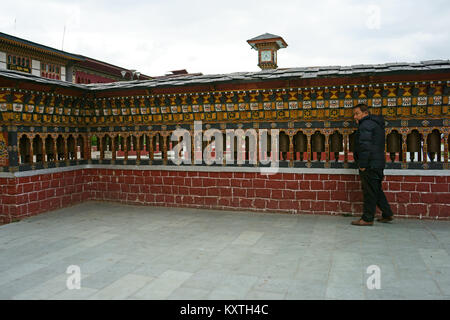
<point x="363" y="107"/>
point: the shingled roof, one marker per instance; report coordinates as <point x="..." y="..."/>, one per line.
<point x="273" y="74"/>
<point x="7" y="38"/>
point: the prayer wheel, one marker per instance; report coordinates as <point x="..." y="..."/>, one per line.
<point x="49" y="149"/>
<point x="60" y="148"/>
<point x="394" y="144"/>
<point x="247" y="148"/>
<point x="37" y="148"/>
<point x="336" y="144"/>
<point x="351" y="142"/>
<point x="434" y="145"/>
<point x="284" y="145"/>
<point x="24" y="145"/>
<point x="413" y="144"/>
<point x="131" y="143"/>
<point x="318" y="144"/>
<point x="158" y="140"/>
<point x="300" y="144"/>
<point x="71" y="147"/>
<point x="80" y="144"/>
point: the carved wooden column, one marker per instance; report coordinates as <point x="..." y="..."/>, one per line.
<point x="258" y="156"/>
<point x="66" y="153"/>
<point x="327" y="149"/>
<point x="75" y="148"/>
<point x="88" y="147"/>
<point x="100" y="145"/>
<point x="446" y="135"/>
<point x="138" y="147"/>
<point x="346" y="137"/>
<point x="165" y="147"/>
<point x="151" y="156"/>
<point x="425" y="133"/>
<point x="113" y="147"/>
<point x="308" y="147"/>
<point x="44" y="153"/>
<point x="404" y="132"/>
<point x="125" y="145"/>
<point x="30" y="147"/>
<point x="291" y="148"/>
<point x="55" y="147"/>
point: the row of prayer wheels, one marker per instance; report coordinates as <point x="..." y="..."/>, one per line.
<point x="414" y="145"/>
<point x="47" y="147"/>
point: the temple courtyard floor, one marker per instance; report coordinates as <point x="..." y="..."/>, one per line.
<point x="132" y="252"/>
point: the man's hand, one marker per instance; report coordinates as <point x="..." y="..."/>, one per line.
<point x="362" y="169"/>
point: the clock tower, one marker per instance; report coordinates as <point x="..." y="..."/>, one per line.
<point x="267" y="46"/>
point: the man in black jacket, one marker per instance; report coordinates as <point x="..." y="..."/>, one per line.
<point x="370" y="156"/>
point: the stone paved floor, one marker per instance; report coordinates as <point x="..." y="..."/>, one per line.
<point x="131" y="252"/>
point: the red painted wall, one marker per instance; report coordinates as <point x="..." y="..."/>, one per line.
<point x="92" y="77"/>
<point x="409" y="196"/>
<point x="28" y="196"/>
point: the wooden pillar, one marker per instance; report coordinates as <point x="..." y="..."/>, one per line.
<point x="327" y="149"/>
<point x="446" y="148"/>
<point x="88" y="147"/>
<point x="55" y="147"/>
<point x="425" y="133"/>
<point x="404" y="148"/>
<point x="151" y="155"/>
<point x="44" y="153"/>
<point x="165" y="147"/>
<point x="125" y="146"/>
<point x="291" y="149"/>
<point x="138" y="147"/>
<point x="308" y="147"/>
<point x="100" y="145"/>
<point x="30" y="148"/>
<point x="346" y="137"/>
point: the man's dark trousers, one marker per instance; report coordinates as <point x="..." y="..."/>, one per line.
<point x="373" y="194"/>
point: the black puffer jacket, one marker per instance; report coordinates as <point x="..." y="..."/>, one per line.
<point x="370" y="142"/>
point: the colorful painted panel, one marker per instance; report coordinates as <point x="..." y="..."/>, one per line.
<point x="4" y="149"/>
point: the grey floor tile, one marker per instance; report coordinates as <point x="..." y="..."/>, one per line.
<point x="137" y="252"/>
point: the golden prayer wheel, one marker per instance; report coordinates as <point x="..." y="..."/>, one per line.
<point x="300" y="144"/>
<point x="318" y="144"/>
<point x="336" y="144"/>
<point x="413" y="144"/>
<point x="434" y="145"/>
<point x="394" y="144"/>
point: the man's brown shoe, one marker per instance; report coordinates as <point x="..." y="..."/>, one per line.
<point x="361" y="222"/>
<point x="385" y="220"/>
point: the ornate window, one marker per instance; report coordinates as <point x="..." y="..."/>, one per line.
<point x="50" y="71"/>
<point x="19" y="63"/>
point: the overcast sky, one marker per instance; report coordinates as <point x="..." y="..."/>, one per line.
<point x="157" y="36"/>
